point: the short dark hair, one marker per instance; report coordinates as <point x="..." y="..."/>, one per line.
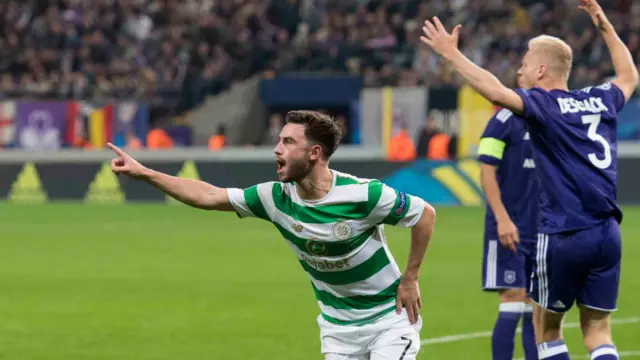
<point x="318" y="128"/>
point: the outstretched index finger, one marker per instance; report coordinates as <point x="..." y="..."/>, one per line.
<point x="116" y="149"/>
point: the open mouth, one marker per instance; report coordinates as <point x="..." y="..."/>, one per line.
<point x="279" y="165"/>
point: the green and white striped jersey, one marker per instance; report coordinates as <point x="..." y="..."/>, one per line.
<point x="339" y="240"/>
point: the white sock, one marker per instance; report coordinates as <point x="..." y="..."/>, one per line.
<point x="528" y="308"/>
<point x="604" y="352"/>
<point x="553" y="349"/>
<point x="512" y="307"/>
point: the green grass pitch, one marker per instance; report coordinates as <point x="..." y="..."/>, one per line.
<point x="143" y="282"/>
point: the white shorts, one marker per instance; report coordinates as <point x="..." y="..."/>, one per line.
<point x="391" y="337"/>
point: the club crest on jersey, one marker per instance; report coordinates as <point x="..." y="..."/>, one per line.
<point x="529" y="164"/>
<point x="317" y="248"/>
<point x="297" y="227"/>
<point x="509" y="276"/>
<point x="342" y="230"/>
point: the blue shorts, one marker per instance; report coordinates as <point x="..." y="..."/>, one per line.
<point x="505" y="269"/>
<point x="582" y="266"/>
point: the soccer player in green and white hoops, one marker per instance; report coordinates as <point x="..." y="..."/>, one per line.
<point x="333" y="222"/>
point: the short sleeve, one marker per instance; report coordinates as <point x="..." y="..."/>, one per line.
<point x="250" y="202"/>
<point x="611" y="95"/>
<point x="535" y="102"/>
<point x="495" y="138"/>
<point x="395" y="207"/>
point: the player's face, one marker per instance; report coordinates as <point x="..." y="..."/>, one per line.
<point x="295" y="155"/>
<point x="529" y="71"/>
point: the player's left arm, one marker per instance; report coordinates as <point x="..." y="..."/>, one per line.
<point x="627" y="77"/>
<point x="485" y="83"/>
<point x="400" y="209"/>
<point x="403" y="210"/>
<point x="421" y="233"/>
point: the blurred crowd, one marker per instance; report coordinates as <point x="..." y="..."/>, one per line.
<point x="380" y="39"/>
<point x="171" y="53"/>
<point x="175" y="53"/>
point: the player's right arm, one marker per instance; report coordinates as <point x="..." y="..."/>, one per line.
<point x="198" y="194"/>
<point x="626" y="73"/>
<point x="490" y="152"/>
<point x="485" y="83"/>
<point x="195" y="193"/>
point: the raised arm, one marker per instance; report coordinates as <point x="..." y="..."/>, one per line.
<point x="198" y="194"/>
<point x="626" y="73"/>
<point x="485" y="83"/>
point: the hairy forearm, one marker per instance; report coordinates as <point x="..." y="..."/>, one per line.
<point x="194" y="193"/>
<point x="420" y="237"/>
<point x="492" y="193"/>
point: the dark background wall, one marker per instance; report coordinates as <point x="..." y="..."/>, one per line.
<point x="70" y="181"/>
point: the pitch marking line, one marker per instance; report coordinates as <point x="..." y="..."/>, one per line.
<point x="621" y="354"/>
<point x="484" y="334"/>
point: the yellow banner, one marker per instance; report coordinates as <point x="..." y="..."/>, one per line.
<point x="387" y="118"/>
<point x="474" y="112"/>
<point x="96" y="128"/>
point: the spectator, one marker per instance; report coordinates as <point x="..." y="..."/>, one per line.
<point x="401" y="147"/>
<point x="217" y="140"/>
<point x="342" y="123"/>
<point x="273" y="131"/>
<point x="157" y="139"/>
<point x="433" y="144"/>
<point x="132" y="142"/>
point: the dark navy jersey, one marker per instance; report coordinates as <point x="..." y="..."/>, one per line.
<point x="574" y="139"/>
<point x="505" y="144"/>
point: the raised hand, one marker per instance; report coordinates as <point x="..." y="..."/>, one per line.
<point x="594" y="10"/>
<point x="125" y="164"/>
<point x="437" y="37"/>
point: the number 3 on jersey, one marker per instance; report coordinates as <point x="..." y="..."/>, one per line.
<point x="594" y="121"/>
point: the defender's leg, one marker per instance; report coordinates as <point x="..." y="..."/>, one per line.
<point x="596" y="333"/>
<point x="528" y="249"/>
<point x="554" y="291"/>
<point x="504" y="271"/>
<point x="548" y="327"/>
<point x="512" y="305"/>
<point x="599" y="294"/>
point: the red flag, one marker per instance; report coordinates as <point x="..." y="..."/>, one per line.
<point x="71" y="124"/>
<point x="7" y="129"/>
<point x="108" y="122"/>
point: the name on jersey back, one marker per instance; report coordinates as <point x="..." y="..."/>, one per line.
<point x="592" y="104"/>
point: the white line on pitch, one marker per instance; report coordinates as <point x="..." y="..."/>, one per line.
<point x="621" y="354"/>
<point x="483" y="334"/>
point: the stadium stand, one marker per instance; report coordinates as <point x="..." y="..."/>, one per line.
<point x="175" y="54"/>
